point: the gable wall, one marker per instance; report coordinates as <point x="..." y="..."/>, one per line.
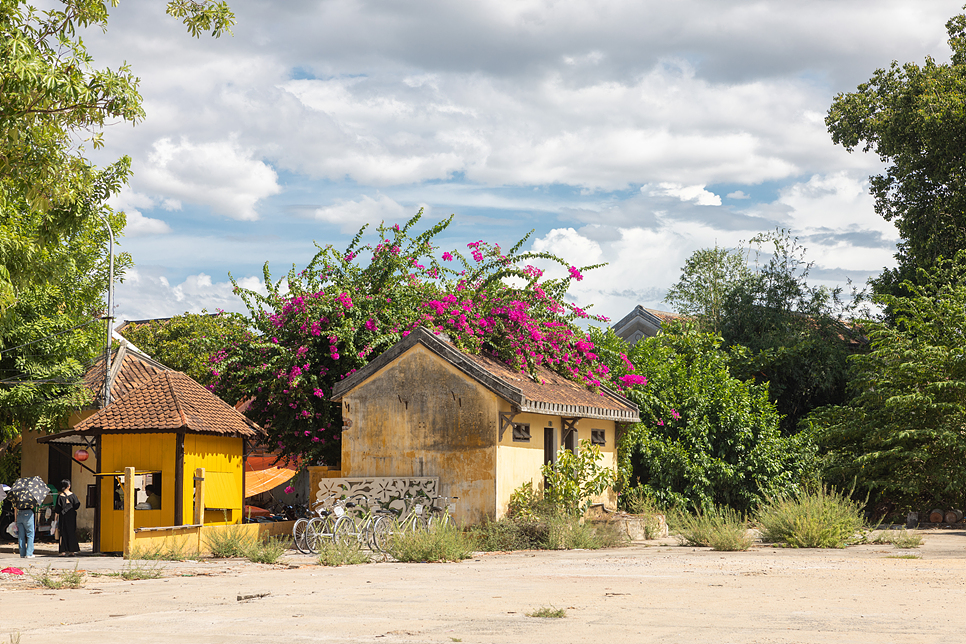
<point x="420" y="416"/>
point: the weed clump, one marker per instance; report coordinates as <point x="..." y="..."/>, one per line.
<point x="822" y="519"/>
<point x="339" y="553"/>
<point x="440" y="542"/>
<point x="719" y="528"/>
<point x="170" y="550"/>
<point x="67" y="578"/>
<point x="902" y="539"/>
<point x="138" y="571"/>
<point x="548" y="612"/>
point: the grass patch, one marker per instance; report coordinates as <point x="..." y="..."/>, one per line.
<point x="138" y="571"/>
<point x="231" y="542"/>
<point x="822" y="519"/>
<point x="718" y="528"/>
<point x="339" y="553"/>
<point x="14" y="638"/>
<point x="441" y="542"/>
<point x="66" y="579"/>
<point x="548" y="612"/>
<point x="549" y="532"/>
<point x="637" y="501"/>
<point x="902" y="539"/>
<point x="910" y="556"/>
<point x="268" y="551"/>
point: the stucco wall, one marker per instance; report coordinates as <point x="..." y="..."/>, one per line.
<point x="420" y="416"/>
<point x="521" y="462"/>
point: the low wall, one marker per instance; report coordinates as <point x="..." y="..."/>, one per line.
<point x="388" y="492"/>
<point x="194" y="539"/>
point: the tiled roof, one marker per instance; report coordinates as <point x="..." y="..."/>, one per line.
<point x="169" y="401"/>
<point x="552" y="395"/>
<point x="130" y="369"/>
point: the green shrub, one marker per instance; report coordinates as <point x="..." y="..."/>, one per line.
<point x="574" y="479"/>
<point x="503" y="535"/>
<point x="548" y="611"/>
<point x="717" y="528"/>
<point x="549" y="532"/>
<point x="822" y="519"/>
<point x="441" y="542"/>
<point x="339" y="553"/>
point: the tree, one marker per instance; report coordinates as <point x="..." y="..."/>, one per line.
<point x="347" y="307"/>
<point x="901" y="437"/>
<point x="779" y="329"/>
<point x="187" y="342"/>
<point x="912" y="117"/>
<point x="705" y="438"/>
<point x="707" y="280"/>
<point x="52" y="103"/>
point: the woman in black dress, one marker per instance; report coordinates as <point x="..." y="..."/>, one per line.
<point x="66" y="511"/>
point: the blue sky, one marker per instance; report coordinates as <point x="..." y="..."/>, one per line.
<point x="627" y="132"/>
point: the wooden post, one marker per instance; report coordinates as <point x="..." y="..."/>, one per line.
<point x="199" y="517"/>
<point x="128" y="511"/>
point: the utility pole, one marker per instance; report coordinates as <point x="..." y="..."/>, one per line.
<point x="110" y="312"/>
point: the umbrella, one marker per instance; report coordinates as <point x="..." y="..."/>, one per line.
<point x="27" y="493"/>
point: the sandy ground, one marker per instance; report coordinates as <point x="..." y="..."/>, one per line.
<point x="640" y="593"/>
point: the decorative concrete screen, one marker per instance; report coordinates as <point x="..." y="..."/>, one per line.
<point x="388" y="492"/>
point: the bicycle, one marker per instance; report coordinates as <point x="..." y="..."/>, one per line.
<point x="300" y="530"/>
<point x="442" y="514"/>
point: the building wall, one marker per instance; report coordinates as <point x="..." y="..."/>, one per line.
<point x="144" y="452"/>
<point x="221" y="456"/>
<point x="519" y="463"/>
<point x="420" y="416"/>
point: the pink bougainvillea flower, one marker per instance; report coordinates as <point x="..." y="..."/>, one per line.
<point x="674" y="414"/>
<point x="633" y="379"/>
<point x="574" y="273"/>
<point x="289" y="489"/>
<point x="447" y="257"/>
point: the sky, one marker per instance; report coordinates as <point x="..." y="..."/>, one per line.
<point x="628" y="132"/>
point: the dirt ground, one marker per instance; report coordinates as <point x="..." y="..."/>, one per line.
<point x="640" y="593"/>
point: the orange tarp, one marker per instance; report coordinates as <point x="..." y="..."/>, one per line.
<point x="263" y="474"/>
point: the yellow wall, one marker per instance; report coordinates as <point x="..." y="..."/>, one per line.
<point x="520" y="462"/>
<point x="420" y="416"/>
<point x="221" y="456"/>
<point x="144" y="452"/>
<point x="192" y="541"/>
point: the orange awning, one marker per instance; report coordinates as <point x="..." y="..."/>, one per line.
<point x="263" y="474"/>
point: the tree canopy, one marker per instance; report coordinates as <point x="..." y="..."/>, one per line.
<point x="912" y="116"/>
<point x="901" y="436"/>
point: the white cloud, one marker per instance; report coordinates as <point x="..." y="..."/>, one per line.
<point x="138" y="225"/>
<point x="697" y="194"/>
<point x="147" y="293"/>
<point x="738" y="194"/>
<point x="350" y="215"/>
<point x="220" y="174"/>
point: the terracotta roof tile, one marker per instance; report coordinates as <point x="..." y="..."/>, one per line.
<point x="170" y="401"/>
<point x="133" y="370"/>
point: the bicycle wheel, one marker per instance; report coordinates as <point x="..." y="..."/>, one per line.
<point x="344" y="531"/>
<point x="298" y="535"/>
<point x="382" y="532"/>
<point x="317" y="529"/>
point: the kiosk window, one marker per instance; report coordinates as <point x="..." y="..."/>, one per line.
<point x="598" y="437"/>
<point x="521" y="432"/>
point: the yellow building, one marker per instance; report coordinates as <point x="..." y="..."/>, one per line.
<point x="425" y="409"/>
<point x="165" y="428"/>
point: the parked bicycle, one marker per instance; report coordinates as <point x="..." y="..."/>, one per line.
<point x="443" y="513"/>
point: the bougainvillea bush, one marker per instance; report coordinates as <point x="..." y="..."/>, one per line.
<point x="347" y="307"/>
<point x="705" y="438"/>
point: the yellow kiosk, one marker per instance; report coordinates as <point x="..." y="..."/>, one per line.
<point x="165" y="428"/>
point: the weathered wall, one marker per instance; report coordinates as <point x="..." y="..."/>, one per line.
<point x="521" y="462"/>
<point x="420" y="416"/>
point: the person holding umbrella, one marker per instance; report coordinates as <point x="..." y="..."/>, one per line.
<point x="27" y="494"/>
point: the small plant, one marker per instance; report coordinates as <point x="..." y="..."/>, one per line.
<point x="909" y="556"/>
<point x="68" y="579"/>
<point x="138" y="571"/>
<point x="903" y="539"/>
<point x="15" y="638"/>
<point x="574" y="479"/>
<point x="233" y="541"/>
<point x="548" y="612"/>
<point x="637" y="500"/>
<point x="821" y="519"/>
<point x="441" y="542"/>
<point x="268" y="552"/>
<point x="718" y="528"/>
<point x="337" y="553"/>
<point x="523" y="502"/>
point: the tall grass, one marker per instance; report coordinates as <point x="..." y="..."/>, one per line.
<point x="235" y="541"/>
<point x="340" y="553"/>
<point x="547" y="532"/>
<point x="719" y="528"/>
<point x="822" y="519"/>
<point x="441" y="542"/>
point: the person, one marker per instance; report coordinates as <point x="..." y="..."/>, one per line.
<point x="154" y="499"/>
<point x="25" y="531"/>
<point x="65" y="509"/>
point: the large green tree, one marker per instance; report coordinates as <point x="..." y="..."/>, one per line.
<point x="902" y="437"/>
<point x="187" y="342"/>
<point x="779" y="328"/>
<point x="914" y="117"/>
<point x="705" y="438"/>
